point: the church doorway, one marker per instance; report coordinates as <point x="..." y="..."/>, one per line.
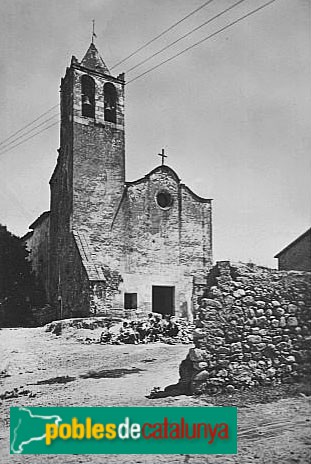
<point x="163" y="300"/>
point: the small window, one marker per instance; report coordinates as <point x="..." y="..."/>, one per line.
<point x="88" y="96"/>
<point x="130" y="300"/>
<point x="110" y="102"/>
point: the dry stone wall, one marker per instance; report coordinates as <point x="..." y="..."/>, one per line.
<point x="252" y="328"/>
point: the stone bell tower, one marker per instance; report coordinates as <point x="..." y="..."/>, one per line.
<point x="98" y="157"/>
<point x="88" y="181"/>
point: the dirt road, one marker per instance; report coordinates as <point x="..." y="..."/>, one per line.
<point x="59" y="371"/>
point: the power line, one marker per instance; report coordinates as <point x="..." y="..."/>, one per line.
<point x="185" y="35"/>
<point x="162" y="33"/>
<point x="28" y="138"/>
<point x="203" y="40"/>
<point x="6" y="145"/>
<point x="29" y="124"/>
<point x="12" y="195"/>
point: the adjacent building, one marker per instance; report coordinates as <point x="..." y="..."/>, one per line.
<point x="37" y="241"/>
<point x="297" y="255"/>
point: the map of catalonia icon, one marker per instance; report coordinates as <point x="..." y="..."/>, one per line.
<point x="27" y="428"/>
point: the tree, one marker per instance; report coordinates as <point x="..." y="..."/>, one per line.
<point x="17" y="283"/>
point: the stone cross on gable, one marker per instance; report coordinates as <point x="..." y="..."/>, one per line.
<point x="162" y="155"/>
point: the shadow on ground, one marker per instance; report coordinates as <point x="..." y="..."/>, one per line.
<point x="176" y="389"/>
<point x="103" y="374"/>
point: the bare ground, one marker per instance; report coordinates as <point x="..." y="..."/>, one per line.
<point x="60" y="371"/>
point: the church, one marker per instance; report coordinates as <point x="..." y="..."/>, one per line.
<point x="108" y="245"/>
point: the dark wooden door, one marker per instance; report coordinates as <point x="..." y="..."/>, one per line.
<point x="163" y="300"/>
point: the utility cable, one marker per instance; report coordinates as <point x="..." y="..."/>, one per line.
<point x="202" y="40"/>
<point x="11" y="196"/>
<point x="6" y="145"/>
<point x="27" y="125"/>
<point x="8" y="148"/>
<point x="185" y="35"/>
<point x="28" y="138"/>
<point x="162" y="33"/>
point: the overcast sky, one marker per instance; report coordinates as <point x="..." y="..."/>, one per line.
<point x="233" y="114"/>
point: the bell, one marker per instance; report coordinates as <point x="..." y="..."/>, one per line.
<point x="86" y="100"/>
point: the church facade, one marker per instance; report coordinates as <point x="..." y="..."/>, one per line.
<point x="115" y="245"/>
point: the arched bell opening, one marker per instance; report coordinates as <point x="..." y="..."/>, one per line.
<point x="110" y="102"/>
<point x="88" y="96"/>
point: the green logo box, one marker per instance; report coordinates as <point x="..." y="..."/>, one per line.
<point x="123" y="430"/>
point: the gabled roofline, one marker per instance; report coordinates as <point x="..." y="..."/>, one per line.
<point x="162" y="167"/>
<point x="194" y="195"/>
<point x="165" y="168"/>
<point x="27" y="235"/>
<point x="293" y="243"/>
<point x="39" y="220"/>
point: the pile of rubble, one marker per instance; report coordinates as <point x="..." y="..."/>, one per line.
<point x="253" y="328"/>
<point x="116" y="331"/>
<point x="154" y="328"/>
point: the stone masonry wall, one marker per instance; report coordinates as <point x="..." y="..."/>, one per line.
<point x="62" y="248"/>
<point x="86" y="187"/>
<point x="253" y="327"/>
<point x="98" y="170"/>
